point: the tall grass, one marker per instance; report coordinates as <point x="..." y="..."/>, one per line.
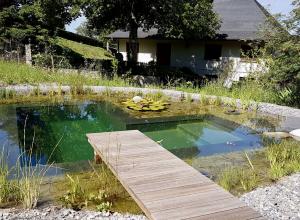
<point x="279" y="159"/>
<point x="284" y="158"/>
<point x="21" y="183"/>
<point x="14" y="73"/>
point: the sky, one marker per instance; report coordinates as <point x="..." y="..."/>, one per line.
<point x="274" y="6"/>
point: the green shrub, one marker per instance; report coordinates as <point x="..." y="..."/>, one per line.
<point x="45" y="60"/>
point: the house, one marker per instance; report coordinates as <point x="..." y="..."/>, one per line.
<point x="241" y="20"/>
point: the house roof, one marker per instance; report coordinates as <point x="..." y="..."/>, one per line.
<point x="241" y="20"/>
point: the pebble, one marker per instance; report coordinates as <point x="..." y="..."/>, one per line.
<point x="278" y="201"/>
<point x="64" y="214"/>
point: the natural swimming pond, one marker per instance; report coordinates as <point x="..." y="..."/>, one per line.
<point x="56" y="133"/>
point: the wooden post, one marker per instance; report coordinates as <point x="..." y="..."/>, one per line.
<point x="97" y="158"/>
<point x="107" y="46"/>
<point x="28" y="56"/>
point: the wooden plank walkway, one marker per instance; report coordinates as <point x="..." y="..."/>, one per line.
<point x="164" y="186"/>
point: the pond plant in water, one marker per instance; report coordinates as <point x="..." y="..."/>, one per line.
<point x="20" y="184"/>
<point x="145" y="104"/>
<point x="277" y="160"/>
<point x="97" y="189"/>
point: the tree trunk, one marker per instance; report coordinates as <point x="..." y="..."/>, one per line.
<point x="132" y="54"/>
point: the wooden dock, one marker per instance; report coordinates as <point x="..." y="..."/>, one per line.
<point x="164" y="186"/>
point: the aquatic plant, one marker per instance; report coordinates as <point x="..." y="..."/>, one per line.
<point x="238" y="179"/>
<point x="75" y="197"/>
<point x="284" y="158"/>
<point x="146" y="105"/>
<point x="24" y="188"/>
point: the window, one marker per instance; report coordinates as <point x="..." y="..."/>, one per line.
<point x="213" y="52"/>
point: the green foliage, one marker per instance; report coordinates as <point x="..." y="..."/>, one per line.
<point x="44" y="60"/>
<point x="180" y="19"/>
<point x="282" y="56"/>
<point x="75" y="197"/>
<point x="189" y="19"/>
<point x="146" y="105"/>
<point x="250" y="90"/>
<point x="279" y="159"/>
<point x="22" y="20"/>
<point x="284" y="158"/>
<point x="9" y="191"/>
<point x="25" y="188"/>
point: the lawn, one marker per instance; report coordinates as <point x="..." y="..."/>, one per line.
<point x="87" y="51"/>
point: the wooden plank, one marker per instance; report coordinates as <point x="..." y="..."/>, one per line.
<point x="164" y="186"/>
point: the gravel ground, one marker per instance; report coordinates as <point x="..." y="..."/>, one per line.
<point x="66" y="214"/>
<point x="278" y="201"/>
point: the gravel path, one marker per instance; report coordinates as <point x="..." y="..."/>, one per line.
<point x="66" y="214"/>
<point x="278" y="201"/>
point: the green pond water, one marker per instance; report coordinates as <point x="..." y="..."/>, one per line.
<point x="56" y="133"/>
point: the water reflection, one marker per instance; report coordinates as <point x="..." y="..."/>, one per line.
<point x="56" y="133"/>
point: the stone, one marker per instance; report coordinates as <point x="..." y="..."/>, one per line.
<point x="137" y="99"/>
<point x="277" y="135"/>
<point x="296" y="134"/>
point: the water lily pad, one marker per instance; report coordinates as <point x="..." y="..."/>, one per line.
<point x="145" y="105"/>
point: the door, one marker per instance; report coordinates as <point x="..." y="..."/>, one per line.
<point x="163" y="54"/>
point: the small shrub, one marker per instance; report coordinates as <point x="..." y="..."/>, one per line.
<point x="45" y="60"/>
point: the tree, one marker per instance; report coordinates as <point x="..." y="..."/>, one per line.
<point x="183" y="19"/>
<point x="25" y="19"/>
<point x="282" y="56"/>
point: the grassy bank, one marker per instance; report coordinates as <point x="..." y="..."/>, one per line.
<point x="85" y="50"/>
<point x="13" y="73"/>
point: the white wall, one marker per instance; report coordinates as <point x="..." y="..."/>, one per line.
<point x="191" y="54"/>
<point x="147" y="50"/>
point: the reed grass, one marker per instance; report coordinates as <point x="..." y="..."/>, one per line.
<point x="14" y="73"/>
<point x="279" y="159"/>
